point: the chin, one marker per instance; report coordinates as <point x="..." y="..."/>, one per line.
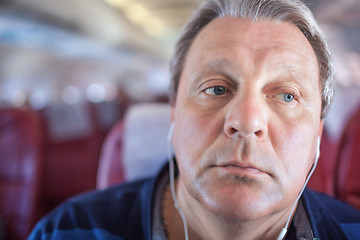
<point x="241" y="203"/>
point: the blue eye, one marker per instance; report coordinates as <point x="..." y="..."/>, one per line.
<point x="218" y="90"/>
<point x="288" y="97"/>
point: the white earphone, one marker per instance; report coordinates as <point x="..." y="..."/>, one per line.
<point x="286" y="227"/>
<point x="171" y="131"/>
<point x="172" y="179"/>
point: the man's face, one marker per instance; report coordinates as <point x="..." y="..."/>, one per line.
<point x="247" y="117"/>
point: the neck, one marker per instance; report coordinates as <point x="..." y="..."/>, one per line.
<point x="204" y="224"/>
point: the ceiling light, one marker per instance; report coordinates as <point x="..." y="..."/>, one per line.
<point x="71" y="95"/>
<point x="136" y="13"/>
<point x="154" y="27"/>
<point x="96" y="93"/>
<point x="117" y="3"/>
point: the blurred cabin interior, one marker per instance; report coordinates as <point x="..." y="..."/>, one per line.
<point x="70" y="71"/>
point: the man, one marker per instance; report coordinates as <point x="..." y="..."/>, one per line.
<point x="252" y="82"/>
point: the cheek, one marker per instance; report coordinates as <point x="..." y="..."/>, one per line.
<point x="186" y="145"/>
<point x="193" y="136"/>
<point x="188" y="137"/>
<point x="294" y="146"/>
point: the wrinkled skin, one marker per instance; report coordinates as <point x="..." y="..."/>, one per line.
<point x="247" y="120"/>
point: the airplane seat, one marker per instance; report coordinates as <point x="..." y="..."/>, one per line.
<point x="323" y="178"/>
<point x="71" y="153"/>
<point x="20" y="161"/>
<point x="137" y="147"/>
<point x="106" y="114"/>
<point x="111" y="169"/>
<point x="347" y="186"/>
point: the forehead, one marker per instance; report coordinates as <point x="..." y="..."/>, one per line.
<point x="232" y="40"/>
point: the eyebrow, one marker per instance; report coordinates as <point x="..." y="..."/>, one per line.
<point x="221" y="66"/>
<point x="224" y="66"/>
<point x="296" y="75"/>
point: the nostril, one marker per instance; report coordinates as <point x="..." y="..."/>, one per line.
<point x="231" y="132"/>
<point x="259" y="133"/>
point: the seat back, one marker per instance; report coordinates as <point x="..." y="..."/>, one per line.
<point x="71" y="152"/>
<point x="347" y="186"/>
<point x="137" y="147"/>
<point x="20" y="166"/>
<point x="323" y="179"/>
<point x="111" y="167"/>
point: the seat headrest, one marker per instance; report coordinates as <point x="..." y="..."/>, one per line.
<point x="145" y="145"/>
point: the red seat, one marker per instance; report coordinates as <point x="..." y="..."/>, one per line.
<point x="323" y="179"/>
<point x="20" y="165"/>
<point x="111" y="169"/>
<point x="336" y="173"/>
<point x="347" y="178"/>
<point x="71" y="153"/>
<point x="135" y="148"/>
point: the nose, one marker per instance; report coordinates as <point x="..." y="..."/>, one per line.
<point x="246" y="118"/>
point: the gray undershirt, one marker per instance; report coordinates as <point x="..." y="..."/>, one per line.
<point x="158" y="227"/>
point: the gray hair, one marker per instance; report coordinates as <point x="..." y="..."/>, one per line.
<point x="289" y="11"/>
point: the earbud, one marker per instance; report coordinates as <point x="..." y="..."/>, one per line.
<point x="318" y="149"/>
<point x="171" y="131"/>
